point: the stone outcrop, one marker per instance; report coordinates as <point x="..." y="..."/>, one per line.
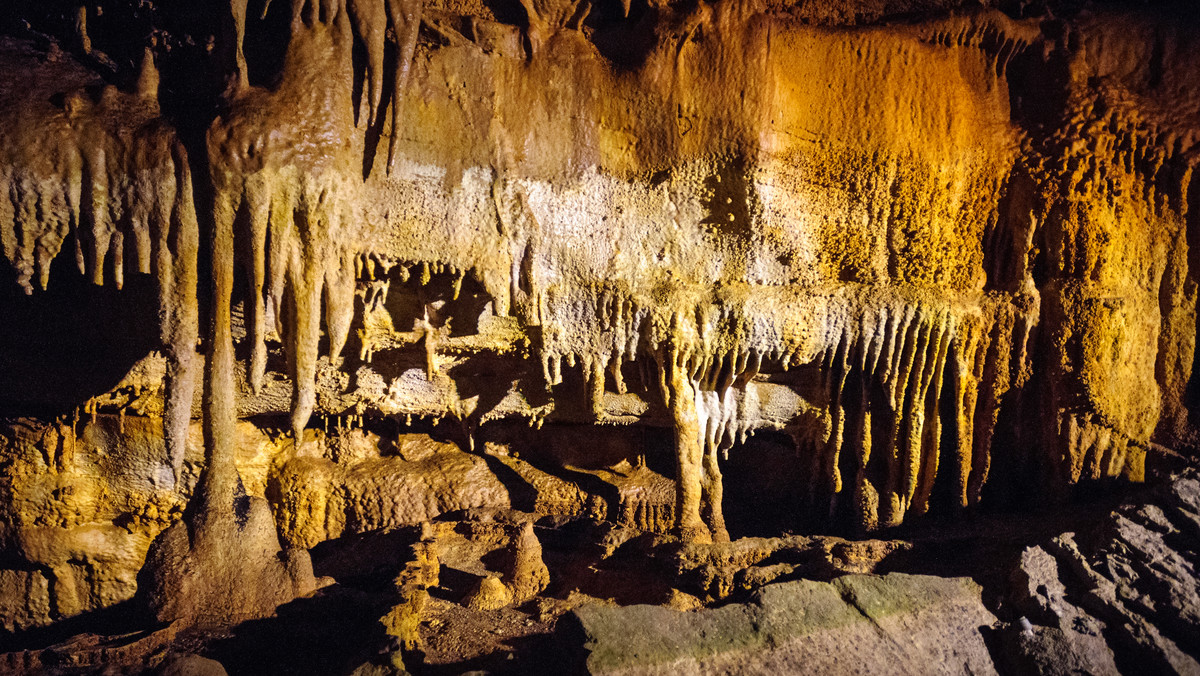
<point x="894" y="624"/>
<point x="1122" y="598"/>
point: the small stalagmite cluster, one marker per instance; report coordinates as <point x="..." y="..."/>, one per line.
<point x="945" y="258"/>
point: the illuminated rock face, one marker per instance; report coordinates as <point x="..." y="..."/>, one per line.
<point x="922" y="251"/>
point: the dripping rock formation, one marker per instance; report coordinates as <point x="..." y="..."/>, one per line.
<point x="599" y="337"/>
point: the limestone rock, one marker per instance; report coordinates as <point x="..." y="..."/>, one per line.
<point x="25" y="599"/>
<point x="190" y="665"/>
<point x="322" y="500"/>
<point x="683" y="601"/>
<point x="718" y="570"/>
<point x="934" y="252"/>
<point x="1118" y="593"/>
<point x="856" y="624"/>
<point x="1037" y="591"/>
<point x="1079" y="648"/>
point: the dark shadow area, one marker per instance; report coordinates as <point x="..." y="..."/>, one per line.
<point x="1000" y="645"/>
<point x="331" y="632"/>
<point x="487" y="378"/>
<point x="521" y="494"/>
<point x="365" y="561"/>
<point x="949" y="485"/>
<point x="763" y="485"/>
<point x="454" y="584"/>
<point x="124" y="618"/>
<point x="75" y="340"/>
<point x="537" y="655"/>
<point x="507" y="12"/>
<point x="266" y="42"/>
<point x="625" y="41"/>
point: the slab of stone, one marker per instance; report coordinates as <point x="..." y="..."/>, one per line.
<point x="857" y="624"/>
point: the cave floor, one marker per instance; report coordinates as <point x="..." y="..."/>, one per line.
<point x="337" y="630"/>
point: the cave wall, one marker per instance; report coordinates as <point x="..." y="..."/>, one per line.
<point x="945" y="253"/>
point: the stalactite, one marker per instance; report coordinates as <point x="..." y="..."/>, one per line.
<point x="176" y="264"/>
<point x="237" y="9"/>
<point x="370" y="22"/>
<point x="406" y="23"/>
<point x="922" y="358"/>
<point x="893" y="377"/>
<point x="219" y="487"/>
<point x="101" y="183"/>
<point x="300" y="209"/>
<point x="371" y="19"/>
